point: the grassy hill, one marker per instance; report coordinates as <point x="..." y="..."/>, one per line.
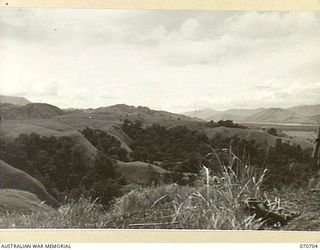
<point x="120" y="112"/>
<point x="214" y="203"/>
<point x="204" y="114"/>
<point x="309" y="119"/>
<point x="46" y="127"/>
<point x="139" y="172"/>
<point x="306" y="110"/>
<point x="300" y="114"/>
<point x="15" y="100"/>
<point x="234" y="114"/>
<point x="30" y="111"/>
<point x="12" y="178"/>
<point x="275" y="115"/>
<point x="21" y="202"/>
<point x="261" y="137"/>
<point x="215" y="115"/>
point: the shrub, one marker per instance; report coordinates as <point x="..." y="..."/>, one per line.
<point x="272" y="131"/>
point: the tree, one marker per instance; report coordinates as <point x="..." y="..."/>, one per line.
<point x="104" y="166"/>
<point x="272" y="131"/>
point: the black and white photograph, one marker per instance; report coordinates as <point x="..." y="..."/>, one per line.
<point x="159" y="119"/>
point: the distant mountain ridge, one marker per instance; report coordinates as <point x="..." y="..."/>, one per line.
<point x="308" y="114"/>
<point x="204" y="114"/>
<point x="29" y="111"/>
<point x="120" y="112"/>
<point x="117" y="113"/>
<point x="20" y="108"/>
<point x="14" y="100"/>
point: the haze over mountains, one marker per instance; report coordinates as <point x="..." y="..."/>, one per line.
<point x="12" y="111"/>
<point x="14" y="100"/>
<point x="307" y="114"/>
<point x="21" y="108"/>
<point x="29" y="111"/>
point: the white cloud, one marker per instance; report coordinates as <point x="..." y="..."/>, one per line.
<point x="189" y="28"/>
<point x="162" y="59"/>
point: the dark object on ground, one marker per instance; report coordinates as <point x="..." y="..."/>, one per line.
<point x="268" y="215"/>
<point x="12" y="178"/>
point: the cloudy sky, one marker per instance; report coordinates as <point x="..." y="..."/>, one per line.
<point x="171" y="60"/>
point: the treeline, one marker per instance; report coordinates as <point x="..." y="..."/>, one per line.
<point x="224" y="123"/>
<point x="59" y="163"/>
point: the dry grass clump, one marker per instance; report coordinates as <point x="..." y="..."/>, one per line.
<point x="215" y="202"/>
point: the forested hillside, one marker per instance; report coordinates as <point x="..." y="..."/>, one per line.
<point x="58" y="162"/>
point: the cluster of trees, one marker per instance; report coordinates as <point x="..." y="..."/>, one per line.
<point x="272" y="131"/>
<point x="105" y="143"/>
<point x="156" y="143"/>
<point x="288" y="164"/>
<point x="222" y="123"/>
<point x="59" y="163"/>
<point x="180" y="149"/>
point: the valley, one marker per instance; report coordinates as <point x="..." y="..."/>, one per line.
<point x="107" y="153"/>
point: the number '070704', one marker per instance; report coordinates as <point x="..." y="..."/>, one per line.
<point x="309" y="246"/>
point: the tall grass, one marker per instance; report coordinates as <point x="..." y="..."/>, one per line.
<point x="215" y="201"/>
<point x="83" y="213"/>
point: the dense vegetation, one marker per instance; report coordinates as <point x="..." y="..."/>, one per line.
<point x="222" y="123"/>
<point x="212" y="198"/>
<point x="60" y="165"/>
<point x="272" y="131"/>
<point x="156" y="143"/>
<point x="105" y="143"/>
<point x="182" y="150"/>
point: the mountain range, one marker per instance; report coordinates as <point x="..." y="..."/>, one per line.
<point x="307" y="114"/>
<point x="20" y="108"/>
<point x="10" y="110"/>
<point x="21" y="118"/>
<point x="14" y="100"/>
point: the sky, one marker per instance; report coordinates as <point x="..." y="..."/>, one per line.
<point x="169" y="60"/>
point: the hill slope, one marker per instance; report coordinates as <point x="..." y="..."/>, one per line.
<point x="308" y="114"/>
<point x="204" y="114"/>
<point x="30" y="111"/>
<point x="307" y="110"/>
<point x="300" y="114"/>
<point x="120" y="112"/>
<point x="139" y="172"/>
<point x="276" y="115"/>
<point x="12" y="178"/>
<point x="17" y="201"/>
<point x="261" y="137"/>
<point x="15" y="100"/>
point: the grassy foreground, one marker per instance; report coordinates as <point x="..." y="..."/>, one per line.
<point x="214" y="202"/>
